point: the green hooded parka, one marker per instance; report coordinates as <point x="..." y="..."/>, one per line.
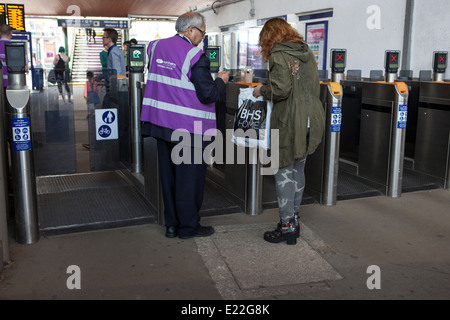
<point x="294" y="89"/>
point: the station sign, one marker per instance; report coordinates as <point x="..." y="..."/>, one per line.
<point x="13" y="15"/>
<point x="93" y="23"/>
<point x="402" y="116"/>
<point x="21" y="134"/>
<point x="106" y="124"/>
<point x="336" y="119"/>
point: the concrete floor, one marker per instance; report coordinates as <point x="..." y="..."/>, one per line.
<point x="407" y="238"/>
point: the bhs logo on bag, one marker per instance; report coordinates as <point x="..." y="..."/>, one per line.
<point x="250" y="116"/>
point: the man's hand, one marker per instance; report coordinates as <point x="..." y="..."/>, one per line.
<point x="224" y="75"/>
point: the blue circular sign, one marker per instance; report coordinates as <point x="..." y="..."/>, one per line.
<point x="104" y="131"/>
<point x="108" y="117"/>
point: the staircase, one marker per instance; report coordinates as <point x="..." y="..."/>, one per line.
<point x="86" y="57"/>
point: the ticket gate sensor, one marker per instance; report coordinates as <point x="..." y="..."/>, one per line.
<point x="338" y="63"/>
<point x="321" y="169"/>
<point x="391" y="65"/>
<point x="136" y="65"/>
<point x="213" y="54"/>
<point x="382" y="136"/>
<point x="439" y="65"/>
<point x="18" y="112"/>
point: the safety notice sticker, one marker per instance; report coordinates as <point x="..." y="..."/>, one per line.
<point x="336" y="119"/>
<point x="21" y="134"/>
<point x="106" y="124"/>
<point x="402" y="116"/>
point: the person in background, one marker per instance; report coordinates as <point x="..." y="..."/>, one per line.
<point x="133" y="42"/>
<point x="126" y="44"/>
<point x="297" y="113"/>
<point x="91" y="96"/>
<point x="116" y="59"/>
<point x="184" y="85"/>
<point x="91" y="89"/>
<point x="61" y="72"/>
<point x="104" y="59"/>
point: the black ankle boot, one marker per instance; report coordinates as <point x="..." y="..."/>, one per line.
<point x="297" y="225"/>
<point x="284" y="231"/>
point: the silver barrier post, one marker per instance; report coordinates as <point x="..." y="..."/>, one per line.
<point x="4" y="208"/>
<point x="19" y="124"/>
<point x="254" y="181"/>
<point x="136" y="64"/>
<point x="332" y="139"/>
<point x="397" y="153"/>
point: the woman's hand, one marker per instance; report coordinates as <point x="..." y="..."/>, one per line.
<point x="256" y="90"/>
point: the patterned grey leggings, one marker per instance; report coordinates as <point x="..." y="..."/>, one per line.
<point x="290" y="184"/>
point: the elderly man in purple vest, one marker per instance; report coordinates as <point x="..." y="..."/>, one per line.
<point x="179" y="102"/>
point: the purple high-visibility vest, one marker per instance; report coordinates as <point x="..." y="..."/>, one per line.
<point x="170" y="100"/>
<point x="3" y="58"/>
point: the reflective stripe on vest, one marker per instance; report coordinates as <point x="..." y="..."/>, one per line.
<point x="179" y="109"/>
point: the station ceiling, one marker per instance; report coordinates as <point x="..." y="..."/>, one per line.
<point x="109" y="8"/>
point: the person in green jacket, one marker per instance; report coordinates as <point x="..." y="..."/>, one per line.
<point x="298" y="114"/>
<point x="104" y="59"/>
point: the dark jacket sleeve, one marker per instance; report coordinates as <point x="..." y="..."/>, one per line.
<point x="207" y="89"/>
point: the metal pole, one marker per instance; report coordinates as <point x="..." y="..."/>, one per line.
<point x="390" y="77"/>
<point x="337" y="77"/>
<point x="438" y="76"/>
<point x="19" y="124"/>
<point x="397" y="151"/>
<point x="4" y="207"/>
<point x="332" y="139"/>
<point x="136" y="139"/>
<point x="253" y="205"/>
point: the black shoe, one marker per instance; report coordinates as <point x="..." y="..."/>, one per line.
<point x="287" y="233"/>
<point x="171" y="232"/>
<point x="296" y="224"/>
<point x="202" y="232"/>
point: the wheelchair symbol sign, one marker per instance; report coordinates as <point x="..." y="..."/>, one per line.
<point x="106" y="124"/>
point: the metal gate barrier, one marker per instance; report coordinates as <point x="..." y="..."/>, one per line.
<point x="321" y="170"/>
<point x="19" y="127"/>
<point x="432" y="152"/>
<point x="382" y="138"/>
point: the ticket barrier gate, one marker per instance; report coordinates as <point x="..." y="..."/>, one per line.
<point x="110" y="152"/>
<point x="321" y="170"/>
<point x="242" y="181"/>
<point x="19" y="127"/>
<point x="432" y="151"/>
<point x="382" y="137"/>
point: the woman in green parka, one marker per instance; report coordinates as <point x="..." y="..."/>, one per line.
<point x="297" y="113"/>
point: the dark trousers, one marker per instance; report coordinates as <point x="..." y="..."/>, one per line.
<point x="182" y="188"/>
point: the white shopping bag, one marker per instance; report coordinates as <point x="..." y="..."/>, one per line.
<point x="252" y="121"/>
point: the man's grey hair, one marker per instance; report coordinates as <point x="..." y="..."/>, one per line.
<point x="189" y="19"/>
